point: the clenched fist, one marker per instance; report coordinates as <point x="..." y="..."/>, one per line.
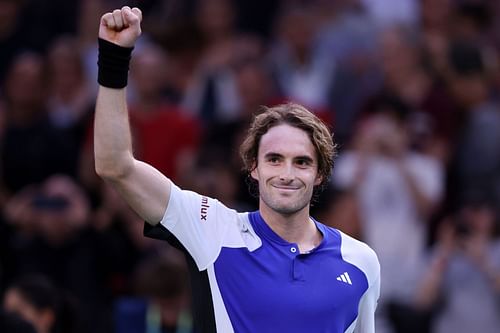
<point x="122" y="26"/>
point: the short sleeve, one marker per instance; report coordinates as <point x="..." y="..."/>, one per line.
<point x="199" y="223"/>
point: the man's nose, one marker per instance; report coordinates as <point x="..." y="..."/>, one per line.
<point x="287" y="172"/>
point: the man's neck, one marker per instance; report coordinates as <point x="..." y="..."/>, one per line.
<point x="295" y="228"/>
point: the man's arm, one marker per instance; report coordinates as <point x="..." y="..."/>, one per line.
<point x="145" y="189"/>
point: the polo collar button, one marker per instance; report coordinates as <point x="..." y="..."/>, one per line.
<point x="293" y="249"/>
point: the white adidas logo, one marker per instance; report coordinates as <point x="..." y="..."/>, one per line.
<point x="344" y="277"/>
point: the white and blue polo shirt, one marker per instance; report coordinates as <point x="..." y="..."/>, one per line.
<point x="246" y="278"/>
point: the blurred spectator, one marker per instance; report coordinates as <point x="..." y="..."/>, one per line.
<point x="397" y="190"/>
<point x="344" y="29"/>
<point x="163" y="299"/>
<point x="348" y="38"/>
<point x="51" y="237"/>
<point x="31" y="148"/>
<point x="28" y="25"/>
<point x="214" y="174"/>
<point x="338" y="209"/>
<point x="435" y="33"/>
<point x="400" y="64"/>
<point x="39" y="302"/>
<point x="476" y="163"/>
<point x="56" y="210"/>
<point x="254" y="85"/>
<point x="471" y="22"/>
<point x="432" y="120"/>
<point x="302" y="74"/>
<point x="211" y="92"/>
<point x="71" y="97"/>
<point x="120" y="229"/>
<point x="462" y="281"/>
<point x="164" y="134"/>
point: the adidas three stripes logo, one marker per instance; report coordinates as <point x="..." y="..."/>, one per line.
<point x="344" y="277"/>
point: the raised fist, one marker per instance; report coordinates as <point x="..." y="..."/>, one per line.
<point x="122" y="26"/>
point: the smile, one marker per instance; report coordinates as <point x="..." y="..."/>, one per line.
<point x="285" y="188"/>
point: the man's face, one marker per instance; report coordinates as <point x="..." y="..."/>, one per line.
<point x="287" y="170"/>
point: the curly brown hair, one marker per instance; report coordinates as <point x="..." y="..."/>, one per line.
<point x="297" y="116"/>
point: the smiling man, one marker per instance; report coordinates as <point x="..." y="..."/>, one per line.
<point x="272" y="270"/>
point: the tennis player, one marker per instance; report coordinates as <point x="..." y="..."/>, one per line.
<point x="272" y="270"/>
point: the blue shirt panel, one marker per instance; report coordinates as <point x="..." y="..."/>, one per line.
<point x="277" y="289"/>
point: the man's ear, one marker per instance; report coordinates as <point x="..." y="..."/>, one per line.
<point x="254" y="173"/>
<point x="319" y="180"/>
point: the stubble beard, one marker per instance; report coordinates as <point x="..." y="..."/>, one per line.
<point x="287" y="208"/>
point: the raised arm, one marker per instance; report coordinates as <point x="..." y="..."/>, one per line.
<point x="145" y="189"/>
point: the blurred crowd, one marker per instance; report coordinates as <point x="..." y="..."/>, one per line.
<point x="410" y="88"/>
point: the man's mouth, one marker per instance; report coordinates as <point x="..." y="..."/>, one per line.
<point x="286" y="187"/>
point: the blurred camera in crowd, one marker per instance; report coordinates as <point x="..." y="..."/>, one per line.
<point x="476" y="217"/>
<point x="55" y="210"/>
<point x="50" y="203"/>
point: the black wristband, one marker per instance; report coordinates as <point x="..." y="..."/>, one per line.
<point x="113" y="62"/>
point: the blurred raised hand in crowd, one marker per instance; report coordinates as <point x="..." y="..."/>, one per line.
<point x="464" y="269"/>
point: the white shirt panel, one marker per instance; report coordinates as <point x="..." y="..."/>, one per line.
<point x="363" y="257"/>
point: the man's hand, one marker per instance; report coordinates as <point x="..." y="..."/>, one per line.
<point x="122" y="26"/>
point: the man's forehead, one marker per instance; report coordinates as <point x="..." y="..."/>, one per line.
<point x="286" y="140"/>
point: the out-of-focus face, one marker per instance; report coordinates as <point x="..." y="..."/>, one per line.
<point x="287" y="170"/>
<point x="298" y="30"/>
<point x="65" y="66"/>
<point x="24" y="84"/>
<point x="253" y="86"/>
<point x="148" y="73"/>
<point x="480" y="219"/>
<point x="398" y="56"/>
<point x="381" y="134"/>
<point x="468" y="90"/>
<point x="215" y="17"/>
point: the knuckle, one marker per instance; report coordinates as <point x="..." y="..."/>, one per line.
<point x="137" y="11"/>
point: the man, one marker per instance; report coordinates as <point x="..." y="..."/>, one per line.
<point x="273" y="270"/>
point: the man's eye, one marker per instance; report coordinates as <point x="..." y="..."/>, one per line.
<point x="303" y="162"/>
